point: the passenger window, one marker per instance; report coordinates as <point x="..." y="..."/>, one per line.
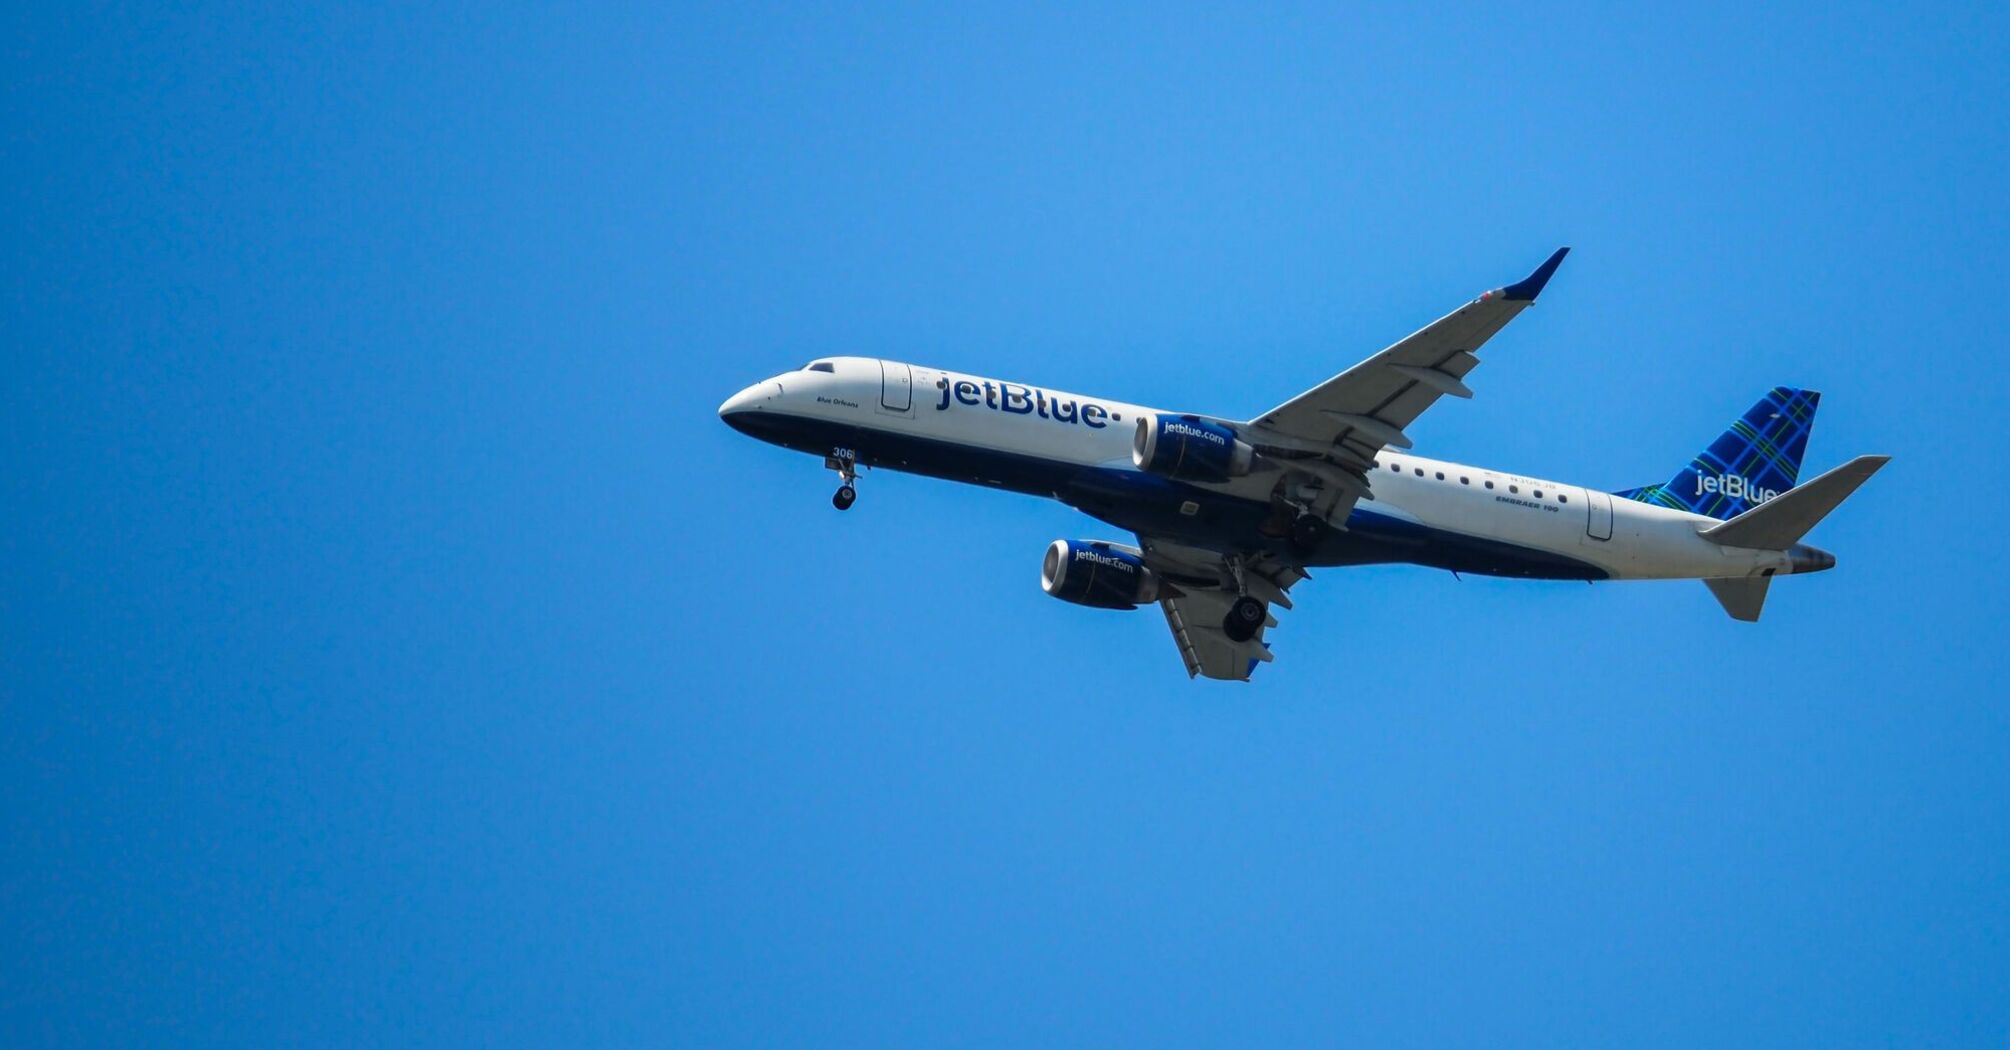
<point x="1516" y="489"/>
<point x="1420" y="472"/>
<point x="1465" y="481"/>
<point x="1538" y="494"/>
<point x="1397" y="467"/>
<point x="1490" y="484"/>
<point x="1441" y="475"/>
<point x="1561" y="498"/>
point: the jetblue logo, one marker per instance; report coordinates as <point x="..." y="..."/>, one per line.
<point x="1185" y="430"/>
<point x="1733" y="486"/>
<point x="1019" y="400"/>
<point x="1104" y="559"/>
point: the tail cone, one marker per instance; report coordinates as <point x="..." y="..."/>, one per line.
<point x="1804" y="558"/>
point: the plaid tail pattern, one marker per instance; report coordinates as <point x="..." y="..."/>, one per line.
<point x="1755" y="460"/>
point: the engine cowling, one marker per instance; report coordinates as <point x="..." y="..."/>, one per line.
<point x="1189" y="449"/>
<point x="1099" y="574"/>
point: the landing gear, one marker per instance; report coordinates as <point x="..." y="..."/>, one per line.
<point x="1308" y="531"/>
<point x="847" y="468"/>
<point x="1293" y="519"/>
<point x="1244" y="617"/>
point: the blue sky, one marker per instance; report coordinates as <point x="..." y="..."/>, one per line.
<point x="397" y="650"/>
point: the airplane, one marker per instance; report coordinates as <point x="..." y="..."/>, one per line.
<point x="1229" y="514"/>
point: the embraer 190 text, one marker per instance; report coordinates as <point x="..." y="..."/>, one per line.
<point x="1229" y="514"/>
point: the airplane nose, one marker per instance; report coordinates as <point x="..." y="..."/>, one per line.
<point x="749" y="399"/>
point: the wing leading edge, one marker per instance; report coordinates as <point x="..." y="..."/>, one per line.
<point x="1354" y="415"/>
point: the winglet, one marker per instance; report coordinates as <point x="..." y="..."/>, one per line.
<point x="1526" y="289"/>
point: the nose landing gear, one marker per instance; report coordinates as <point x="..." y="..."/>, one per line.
<point x="847" y="468"/>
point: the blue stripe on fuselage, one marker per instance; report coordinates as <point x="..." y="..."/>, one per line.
<point x="1150" y="505"/>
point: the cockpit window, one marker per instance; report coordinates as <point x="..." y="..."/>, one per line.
<point x="819" y="366"/>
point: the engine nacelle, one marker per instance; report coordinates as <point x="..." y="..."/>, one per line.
<point x="1099" y="574"/>
<point x="1189" y="449"/>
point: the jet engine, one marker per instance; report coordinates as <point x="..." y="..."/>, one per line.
<point x="1097" y="573"/>
<point x="1189" y="449"/>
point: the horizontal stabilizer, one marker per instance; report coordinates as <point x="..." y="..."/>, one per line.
<point x="1742" y="597"/>
<point x="1780" y="522"/>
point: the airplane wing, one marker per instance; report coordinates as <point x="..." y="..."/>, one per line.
<point x="1204" y="592"/>
<point x="1332" y="431"/>
<point x="1335" y="429"/>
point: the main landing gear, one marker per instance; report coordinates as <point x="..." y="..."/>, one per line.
<point x="847" y="493"/>
<point x="1294" y="521"/>
<point x="1244" y="617"/>
<point x="1247" y="614"/>
<point x="1308" y="531"/>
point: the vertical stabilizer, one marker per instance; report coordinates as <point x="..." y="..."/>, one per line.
<point x="1758" y="458"/>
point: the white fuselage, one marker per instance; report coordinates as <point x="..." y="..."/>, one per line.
<point x="1034" y="439"/>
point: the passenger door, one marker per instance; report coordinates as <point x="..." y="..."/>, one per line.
<point x="896" y="387"/>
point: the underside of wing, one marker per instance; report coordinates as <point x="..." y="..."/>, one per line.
<point x="1195" y="619"/>
<point x="1202" y="591"/>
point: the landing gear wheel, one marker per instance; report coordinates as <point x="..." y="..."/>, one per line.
<point x="1244" y="617"/>
<point x="1307" y="532"/>
<point x="845" y="462"/>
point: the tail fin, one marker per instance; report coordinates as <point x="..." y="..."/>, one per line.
<point x="1754" y="461"/>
